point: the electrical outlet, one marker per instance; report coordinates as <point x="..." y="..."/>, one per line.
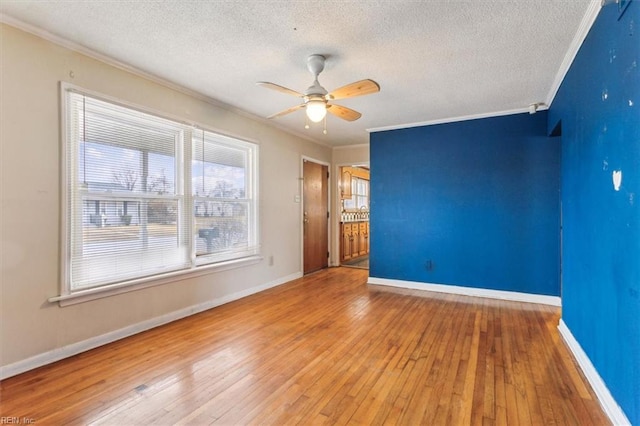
<point x="429" y="265"/>
<point x="271" y="260"/>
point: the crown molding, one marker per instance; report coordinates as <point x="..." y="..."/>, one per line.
<point x="585" y="25"/>
<point x="83" y="50"/>
<point x="583" y="29"/>
<point x="542" y="107"/>
<point x="79" y="48"/>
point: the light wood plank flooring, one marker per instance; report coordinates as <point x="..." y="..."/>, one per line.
<point x="324" y="349"/>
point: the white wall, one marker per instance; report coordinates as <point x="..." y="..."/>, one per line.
<point x="33" y="330"/>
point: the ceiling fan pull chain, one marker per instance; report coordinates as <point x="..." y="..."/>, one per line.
<point x="325" y="125"/>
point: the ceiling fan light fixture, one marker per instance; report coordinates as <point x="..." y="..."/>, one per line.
<point x="317" y="101"/>
<point x="316" y="110"/>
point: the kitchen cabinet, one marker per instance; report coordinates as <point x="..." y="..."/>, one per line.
<point x="363" y="238"/>
<point x="355" y="247"/>
<point x="354" y="240"/>
<point x="345" y="183"/>
<point x="346" y="248"/>
<point x="347" y="175"/>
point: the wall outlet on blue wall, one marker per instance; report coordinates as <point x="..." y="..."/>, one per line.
<point x="479" y="193"/>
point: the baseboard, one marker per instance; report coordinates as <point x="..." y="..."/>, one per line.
<point x="94" y="342"/>
<point x="470" y="291"/>
<point x="609" y="404"/>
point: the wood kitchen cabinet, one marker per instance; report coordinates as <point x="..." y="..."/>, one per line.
<point x="346" y="248"/>
<point x="363" y="238"/>
<point x="345" y="183"/>
<point x="355" y="248"/>
<point x="355" y="240"/>
<point x="354" y="225"/>
<point x="347" y="175"/>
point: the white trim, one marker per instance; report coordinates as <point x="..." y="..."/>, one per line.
<point x="76" y="47"/>
<point x="83" y="50"/>
<point x="82" y="296"/>
<point x="585" y="25"/>
<point x="93" y="342"/>
<point x="469" y="291"/>
<point x="67" y="295"/>
<point x="338" y="216"/>
<point x="456" y="119"/>
<point x="608" y="403"/>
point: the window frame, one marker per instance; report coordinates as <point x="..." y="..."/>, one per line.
<point x="183" y="190"/>
<point x="355" y="195"/>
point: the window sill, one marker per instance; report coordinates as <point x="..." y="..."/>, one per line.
<point x="82" y="296"/>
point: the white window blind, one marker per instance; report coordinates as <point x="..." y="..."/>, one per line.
<point x="223" y="192"/>
<point x="146" y="195"/>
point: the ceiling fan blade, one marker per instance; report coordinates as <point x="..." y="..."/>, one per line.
<point x="359" y="88"/>
<point x="279" y="88"/>
<point x="287" y="111"/>
<point x="343" y="112"/>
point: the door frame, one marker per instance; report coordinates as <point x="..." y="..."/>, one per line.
<point x="335" y="219"/>
<point x="304" y="158"/>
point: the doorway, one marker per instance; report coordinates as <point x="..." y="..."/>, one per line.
<point x="315" y="195"/>
<point x="354" y="192"/>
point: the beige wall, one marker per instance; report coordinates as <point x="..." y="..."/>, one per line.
<point x="345" y="155"/>
<point x="34" y="330"/>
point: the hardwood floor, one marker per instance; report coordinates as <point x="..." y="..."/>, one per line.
<point x="324" y="349"/>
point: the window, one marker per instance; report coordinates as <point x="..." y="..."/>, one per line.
<point x="224" y="210"/>
<point x="359" y="195"/>
<point x="146" y="195"/>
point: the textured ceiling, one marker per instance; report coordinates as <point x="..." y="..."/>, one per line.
<point x="434" y="60"/>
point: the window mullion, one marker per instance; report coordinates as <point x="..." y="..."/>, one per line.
<point x="185" y="152"/>
<point x="129" y="198"/>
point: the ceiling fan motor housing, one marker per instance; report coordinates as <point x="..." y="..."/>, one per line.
<point x="315" y="64"/>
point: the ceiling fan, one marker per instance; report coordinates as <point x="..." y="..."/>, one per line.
<point x="316" y="100"/>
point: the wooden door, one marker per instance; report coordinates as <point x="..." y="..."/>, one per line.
<point x="315" y="216"/>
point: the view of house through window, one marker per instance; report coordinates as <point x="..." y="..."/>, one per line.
<point x="148" y="195"/>
<point x="223" y="212"/>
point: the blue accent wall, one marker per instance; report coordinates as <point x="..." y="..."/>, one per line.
<point x="473" y="203"/>
<point x="598" y="106"/>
